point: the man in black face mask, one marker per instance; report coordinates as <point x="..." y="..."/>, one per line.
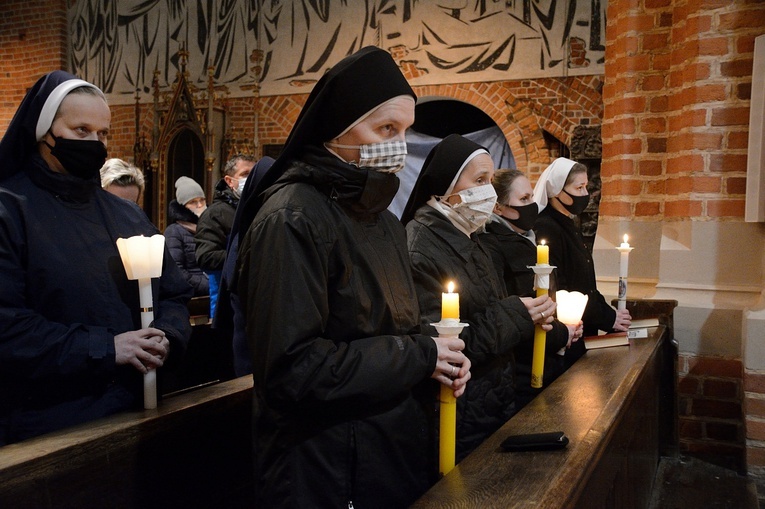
<point x="512" y="244"/>
<point x="561" y="193"/>
<point x="71" y="345"/>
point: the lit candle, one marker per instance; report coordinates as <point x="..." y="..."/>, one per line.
<point x="624" y="256"/>
<point x="543" y="254"/>
<point x="142" y="258"/>
<point x="450" y="304"/>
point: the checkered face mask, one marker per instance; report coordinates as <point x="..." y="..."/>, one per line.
<point x="385" y="157"/>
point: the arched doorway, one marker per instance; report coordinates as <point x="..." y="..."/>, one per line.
<point x="185" y="157"/>
<point x="435" y="119"/>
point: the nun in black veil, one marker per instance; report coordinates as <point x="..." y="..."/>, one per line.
<point x="71" y="345"/>
<point x="451" y="201"/>
<point x="342" y="395"/>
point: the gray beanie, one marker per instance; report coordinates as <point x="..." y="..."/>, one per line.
<point x="186" y="190"/>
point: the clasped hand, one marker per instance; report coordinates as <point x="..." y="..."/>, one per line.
<point x="541" y="310"/>
<point x="452" y="367"/>
<point x="144" y="349"/>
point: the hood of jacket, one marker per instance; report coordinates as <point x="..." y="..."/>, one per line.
<point x="177" y="212"/>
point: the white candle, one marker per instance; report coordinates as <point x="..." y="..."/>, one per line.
<point x="624" y="256"/>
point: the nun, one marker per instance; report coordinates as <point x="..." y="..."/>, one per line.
<point x="339" y="363"/>
<point x="561" y="194"/>
<point x="71" y="345"/>
<point x="450" y="202"/>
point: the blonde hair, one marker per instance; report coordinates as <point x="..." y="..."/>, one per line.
<point x="120" y="173"/>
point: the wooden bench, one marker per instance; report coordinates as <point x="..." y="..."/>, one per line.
<point x="192" y="451"/>
<point x="609" y="406"/>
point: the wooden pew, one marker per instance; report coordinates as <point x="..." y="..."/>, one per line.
<point x="609" y="406"/>
<point x="192" y="451"/>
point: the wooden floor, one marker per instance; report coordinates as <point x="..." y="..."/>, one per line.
<point x="688" y="483"/>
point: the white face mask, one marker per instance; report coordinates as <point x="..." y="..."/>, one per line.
<point x="240" y="186"/>
<point x="385" y="157"/>
<point x="476" y="206"/>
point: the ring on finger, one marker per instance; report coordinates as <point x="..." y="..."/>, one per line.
<point x="451" y="375"/>
<point x="542" y="313"/>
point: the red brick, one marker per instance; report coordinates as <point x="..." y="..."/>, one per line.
<point x="752" y="18"/>
<point x="685" y="163"/>
<point x="653" y="125"/>
<point x="723" y="389"/>
<point x="754" y="382"/>
<point x="621" y="166"/>
<point x="656" y="186"/>
<point x="622" y="187"/>
<point x="714" y="46"/>
<point x="711" y="366"/>
<point x="647" y="208"/>
<point x="735" y="185"/>
<point x="650" y="168"/>
<point x="730" y="116"/>
<point x="718" y="409"/>
<point x="615" y="208"/>
<point x="754" y="407"/>
<point x="755" y="429"/>
<point x="690" y="428"/>
<point x="688" y="385"/>
<point x="679" y="185"/>
<point x="755" y="456"/>
<point x="682" y="208"/>
<point x="738" y="139"/>
<point x="726" y="208"/>
<point x="657" y="145"/>
<point x="727" y="162"/>
<point x="737" y="68"/>
<point x="706" y="184"/>
<point x="723" y="431"/>
<point x="653" y="82"/>
<point x="659" y="104"/>
<point x="654" y="41"/>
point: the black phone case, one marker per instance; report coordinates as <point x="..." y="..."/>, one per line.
<point x="535" y="442"/>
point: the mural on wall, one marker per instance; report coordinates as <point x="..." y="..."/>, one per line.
<point x="286" y="45"/>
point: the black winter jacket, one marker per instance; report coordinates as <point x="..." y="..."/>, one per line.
<point x="332" y="319"/>
<point x="575" y="272"/>
<point x="440" y="253"/>
<point x="64" y="296"/>
<point x="180" y="242"/>
<point x="214" y="228"/>
<point x="512" y="255"/>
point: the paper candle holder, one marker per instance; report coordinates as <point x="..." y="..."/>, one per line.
<point x="542" y="275"/>
<point x="142" y="258"/>
<point x="570" y="306"/>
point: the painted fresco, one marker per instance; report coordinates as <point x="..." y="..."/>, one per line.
<point x="286" y="45"/>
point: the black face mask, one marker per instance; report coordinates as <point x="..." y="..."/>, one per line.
<point x="81" y="158"/>
<point x="579" y="203"/>
<point x="527" y="215"/>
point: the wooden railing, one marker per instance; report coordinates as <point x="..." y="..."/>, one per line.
<point x="609" y="404"/>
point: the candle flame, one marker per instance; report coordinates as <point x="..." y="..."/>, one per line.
<point x="625" y="238"/>
<point x="450" y="287"/>
<point x="543" y="242"/>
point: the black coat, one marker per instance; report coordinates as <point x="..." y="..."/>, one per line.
<point x="497" y="324"/>
<point x="512" y="255"/>
<point x="332" y="319"/>
<point x="64" y="296"/>
<point x="574" y="271"/>
<point x="180" y="242"/>
<point x="214" y="228"/>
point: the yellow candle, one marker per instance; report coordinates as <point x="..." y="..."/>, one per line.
<point x="450" y="303"/>
<point x="543" y="254"/>
<point x="448" y="430"/>
<point x="540" y="336"/>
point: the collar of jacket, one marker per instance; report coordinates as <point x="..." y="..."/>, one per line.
<point x="444" y="229"/>
<point x="225" y="194"/>
<point x="68" y="188"/>
<point x="362" y="190"/>
<point x="178" y="212"/>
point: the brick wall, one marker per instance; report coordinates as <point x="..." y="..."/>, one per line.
<point x="710" y="411"/>
<point x="32" y="42"/>
<point x="679" y="67"/>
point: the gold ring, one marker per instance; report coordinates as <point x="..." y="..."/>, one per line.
<point x="452" y="375"/>
<point x="542" y="313"/>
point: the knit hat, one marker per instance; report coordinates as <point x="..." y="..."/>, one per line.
<point x="187" y="189"/>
